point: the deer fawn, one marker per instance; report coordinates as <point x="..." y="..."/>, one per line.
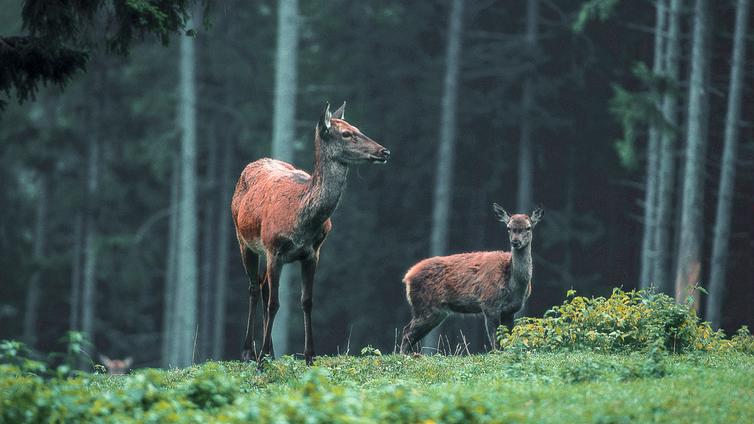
<point x="116" y="366"/>
<point x="495" y="284"/>
<point x="284" y="213"/>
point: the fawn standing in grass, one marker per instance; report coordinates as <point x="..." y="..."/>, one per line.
<point x="284" y="213"/>
<point x="495" y="284"/>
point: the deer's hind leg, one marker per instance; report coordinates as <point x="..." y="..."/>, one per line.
<point x="251" y="263"/>
<point x="418" y="327"/>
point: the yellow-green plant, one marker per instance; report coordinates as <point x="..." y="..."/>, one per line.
<point x="624" y="322"/>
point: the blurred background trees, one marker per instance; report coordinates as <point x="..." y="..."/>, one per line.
<point x="116" y="187"/>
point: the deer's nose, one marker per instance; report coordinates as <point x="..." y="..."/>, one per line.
<point x="385" y="152"/>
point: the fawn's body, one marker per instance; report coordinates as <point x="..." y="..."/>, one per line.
<point x="283" y="214"/>
<point x="495" y="284"/>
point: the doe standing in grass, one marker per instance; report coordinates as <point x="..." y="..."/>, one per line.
<point x="284" y="213"/>
<point x="495" y="284"/>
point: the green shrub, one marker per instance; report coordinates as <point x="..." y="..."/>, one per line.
<point x="624" y="322"/>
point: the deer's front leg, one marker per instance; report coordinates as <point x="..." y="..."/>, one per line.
<point x="308" y="269"/>
<point x="273" y="304"/>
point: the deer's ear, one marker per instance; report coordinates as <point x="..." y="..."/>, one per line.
<point x="537" y="215"/>
<point x="128" y="361"/>
<point x="105" y="360"/>
<point x="323" y="126"/>
<point x="340" y="112"/>
<point x="501" y="214"/>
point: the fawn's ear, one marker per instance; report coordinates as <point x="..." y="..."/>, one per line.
<point x="105" y="360"/>
<point x="323" y="126"/>
<point x="127" y="362"/>
<point x="340" y="113"/>
<point x="501" y="214"/>
<point x="537" y="215"/>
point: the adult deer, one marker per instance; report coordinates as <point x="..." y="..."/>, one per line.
<point x="495" y="284"/>
<point x="284" y="213"/>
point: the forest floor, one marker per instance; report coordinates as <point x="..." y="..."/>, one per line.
<point x="495" y="388"/>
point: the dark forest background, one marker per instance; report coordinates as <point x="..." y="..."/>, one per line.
<point x="92" y="180"/>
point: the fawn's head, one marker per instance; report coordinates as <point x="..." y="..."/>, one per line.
<point x="343" y="142"/>
<point x="519" y="225"/>
<point x="116" y="366"/>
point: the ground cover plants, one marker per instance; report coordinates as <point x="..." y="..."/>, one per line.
<point x="630" y="357"/>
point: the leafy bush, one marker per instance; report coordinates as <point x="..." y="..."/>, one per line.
<point x="624" y="322"/>
<point x="743" y="341"/>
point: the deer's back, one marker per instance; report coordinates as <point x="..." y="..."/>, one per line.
<point x="267" y="201"/>
<point x="458" y="281"/>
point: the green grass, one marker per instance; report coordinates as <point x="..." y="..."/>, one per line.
<point x="507" y="387"/>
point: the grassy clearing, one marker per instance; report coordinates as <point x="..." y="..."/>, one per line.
<point x="631" y="357"/>
<point x="521" y="387"/>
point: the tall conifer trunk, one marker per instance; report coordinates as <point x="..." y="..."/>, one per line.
<point x="728" y="170"/>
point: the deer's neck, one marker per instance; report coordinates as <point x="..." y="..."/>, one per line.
<point x="324" y="191"/>
<point x="521" y="268"/>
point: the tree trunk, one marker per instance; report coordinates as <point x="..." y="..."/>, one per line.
<point x="209" y="247"/>
<point x="666" y="176"/>
<point x="31" y="310"/>
<point x="74" y="323"/>
<point x="525" y="193"/>
<point x="728" y="170"/>
<point x="443" y="194"/>
<point x="182" y="351"/>
<point x="89" y="276"/>
<point x="653" y="146"/>
<point x="283" y="134"/>
<point x="524" y="198"/>
<point x="223" y="230"/>
<point x="168" y="317"/>
<point x="688" y="270"/>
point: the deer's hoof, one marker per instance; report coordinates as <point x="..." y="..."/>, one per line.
<point x="309" y="359"/>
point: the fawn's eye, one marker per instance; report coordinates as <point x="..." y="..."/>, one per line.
<point x="347" y="134"/>
<point x="528" y="228"/>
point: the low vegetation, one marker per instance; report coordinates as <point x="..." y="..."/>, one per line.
<point x="566" y="367"/>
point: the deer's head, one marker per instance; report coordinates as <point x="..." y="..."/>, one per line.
<point x="519" y="225"/>
<point x="343" y="142"/>
<point x="116" y="366"/>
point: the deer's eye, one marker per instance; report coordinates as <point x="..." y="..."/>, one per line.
<point x="528" y="228"/>
<point x="347" y="134"/>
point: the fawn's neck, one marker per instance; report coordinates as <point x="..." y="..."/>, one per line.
<point x="521" y="268"/>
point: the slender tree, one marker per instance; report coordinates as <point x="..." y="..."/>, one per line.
<point x="223" y="229"/>
<point x="209" y="248"/>
<point x="443" y="194"/>
<point x="650" y="193"/>
<point x="33" y="292"/>
<point x="181" y="352"/>
<point x="91" y="251"/>
<point x="666" y="176"/>
<point x="728" y="169"/>
<point x="168" y="315"/>
<point x="688" y="270"/>
<point x="74" y="322"/>
<point x="283" y="126"/>
<point x="525" y="193"/>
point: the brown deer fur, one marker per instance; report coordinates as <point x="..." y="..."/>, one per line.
<point x="284" y="213"/>
<point x="495" y="284"/>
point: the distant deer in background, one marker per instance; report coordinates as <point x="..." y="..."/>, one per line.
<point x="284" y="213"/>
<point x="116" y="366"/>
<point x="495" y="284"/>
